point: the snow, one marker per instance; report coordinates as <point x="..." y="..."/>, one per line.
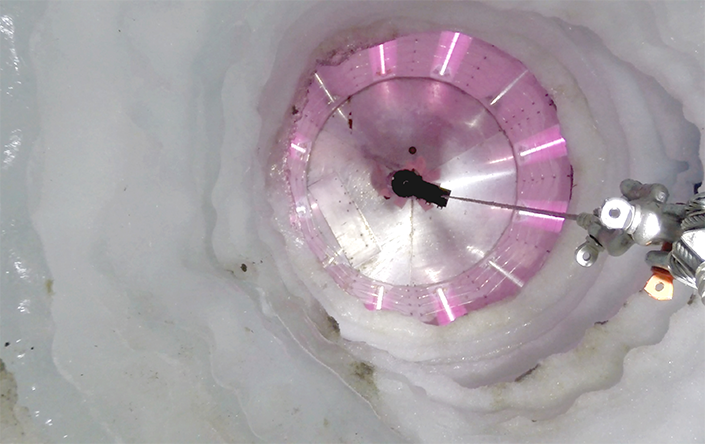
<point x="139" y="175"/>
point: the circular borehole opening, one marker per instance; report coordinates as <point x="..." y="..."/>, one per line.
<point x="458" y="116"/>
<point x="615" y="213"/>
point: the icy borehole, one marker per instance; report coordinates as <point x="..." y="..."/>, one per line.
<point x="461" y="113"/>
<point x="124" y="287"/>
<point x="503" y="343"/>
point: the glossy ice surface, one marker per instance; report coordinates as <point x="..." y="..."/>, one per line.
<point x="153" y="290"/>
<point x="463" y="114"/>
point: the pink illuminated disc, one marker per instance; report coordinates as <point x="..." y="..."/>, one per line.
<point x="465" y="116"/>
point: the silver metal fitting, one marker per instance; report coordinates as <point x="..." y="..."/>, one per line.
<point x="700" y="281"/>
<point x="689" y="256"/>
<point x="695" y="241"/>
<point x="586" y="254"/>
<point x="617" y="214"/>
<point x="641" y="215"/>
<point x="643" y="219"/>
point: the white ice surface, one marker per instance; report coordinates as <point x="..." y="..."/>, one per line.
<point x="134" y="135"/>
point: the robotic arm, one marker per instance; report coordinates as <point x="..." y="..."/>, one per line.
<point x="643" y="216"/>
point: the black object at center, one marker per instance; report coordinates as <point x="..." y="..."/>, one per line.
<point x="408" y="183"/>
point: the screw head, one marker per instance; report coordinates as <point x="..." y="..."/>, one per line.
<point x="616" y="214"/>
<point x="586" y="254"/>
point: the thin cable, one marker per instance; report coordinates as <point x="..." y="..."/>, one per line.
<point x="519" y="208"/>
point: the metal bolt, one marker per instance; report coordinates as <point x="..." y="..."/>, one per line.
<point x="616" y="214"/>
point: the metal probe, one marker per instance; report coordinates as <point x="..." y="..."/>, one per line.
<point x="518" y="207"/>
<point x="407" y="183"/>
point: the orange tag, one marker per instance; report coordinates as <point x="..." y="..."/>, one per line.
<point x="660" y="285"/>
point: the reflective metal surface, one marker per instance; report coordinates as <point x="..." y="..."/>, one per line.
<point x="458" y="144"/>
<point x="465" y="116"/>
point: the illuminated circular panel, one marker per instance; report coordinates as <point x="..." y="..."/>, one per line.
<point x="411" y="124"/>
<point x="465" y="116"/>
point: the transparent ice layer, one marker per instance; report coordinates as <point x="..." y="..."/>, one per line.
<point x="151" y="291"/>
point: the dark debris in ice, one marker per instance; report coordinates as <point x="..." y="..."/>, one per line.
<point x="364" y="379"/>
<point x="334" y="326"/>
<point x="692" y="298"/>
<point x="526" y="373"/>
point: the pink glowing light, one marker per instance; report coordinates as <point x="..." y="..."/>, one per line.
<point x="450" y="308"/>
<point x="452" y="47"/>
<point x="514" y="279"/>
<point x="450" y="52"/>
<point x="508" y="88"/>
<point x="503" y="159"/>
<point x="380" y="296"/>
<point x="383" y="59"/>
<point x="514" y="99"/>
<point x="550" y="205"/>
<point x="544" y="146"/>
<point x="298" y="148"/>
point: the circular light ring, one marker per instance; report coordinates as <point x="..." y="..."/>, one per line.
<point x="526" y="114"/>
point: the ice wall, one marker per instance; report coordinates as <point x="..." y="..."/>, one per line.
<point x="143" y="294"/>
